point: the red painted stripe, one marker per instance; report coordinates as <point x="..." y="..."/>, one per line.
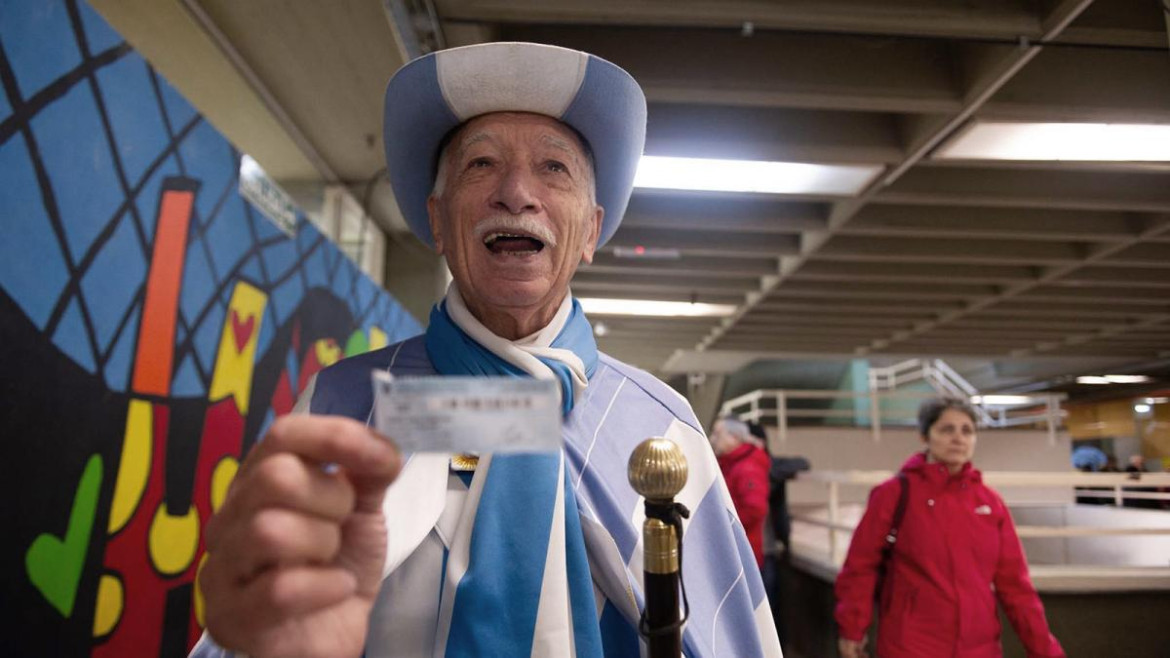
<point x="154" y="363"/>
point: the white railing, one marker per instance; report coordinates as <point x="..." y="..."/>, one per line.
<point x="1118" y="482"/>
<point x="774" y="406"/>
<point x="899" y="374"/>
<point x="935" y="372"/>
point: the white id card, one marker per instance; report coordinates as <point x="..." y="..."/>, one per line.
<point x="468" y="414"/>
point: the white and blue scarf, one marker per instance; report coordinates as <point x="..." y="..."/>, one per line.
<point x="517" y="578"/>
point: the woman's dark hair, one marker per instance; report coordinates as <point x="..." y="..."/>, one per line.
<point x="930" y="410"/>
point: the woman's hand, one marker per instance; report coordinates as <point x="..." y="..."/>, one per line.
<point x="851" y="648"/>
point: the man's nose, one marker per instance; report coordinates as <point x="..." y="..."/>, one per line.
<point x="516" y="192"/>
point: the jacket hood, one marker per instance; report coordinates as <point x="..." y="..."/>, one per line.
<point x="917" y="464"/>
<point x="746" y="451"/>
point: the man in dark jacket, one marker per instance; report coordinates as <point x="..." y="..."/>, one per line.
<point x="783" y="469"/>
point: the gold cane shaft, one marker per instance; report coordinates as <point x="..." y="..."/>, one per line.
<point x="660" y="543"/>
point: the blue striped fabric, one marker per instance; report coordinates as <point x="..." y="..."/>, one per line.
<point x="508" y="550"/>
<point x="621" y="407"/>
<point x="515" y="513"/>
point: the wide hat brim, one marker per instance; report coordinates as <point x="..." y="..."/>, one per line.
<point x="432" y="95"/>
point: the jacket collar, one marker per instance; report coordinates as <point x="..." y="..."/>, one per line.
<point x="937" y="473"/>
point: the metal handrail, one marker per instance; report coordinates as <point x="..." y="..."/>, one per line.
<point x="748" y="407"/>
<point x="1008" y="478"/>
<point x="954" y="377"/>
<point x="1118" y="481"/>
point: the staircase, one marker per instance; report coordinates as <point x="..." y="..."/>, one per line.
<point x="935" y="372"/>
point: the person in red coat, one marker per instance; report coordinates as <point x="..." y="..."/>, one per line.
<point x="745" y="467"/>
<point x="956" y="553"/>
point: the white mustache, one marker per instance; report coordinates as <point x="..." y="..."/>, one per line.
<point x="523" y="225"/>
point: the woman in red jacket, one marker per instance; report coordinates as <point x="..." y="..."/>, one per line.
<point x="745" y="467"/>
<point x="956" y="553"/>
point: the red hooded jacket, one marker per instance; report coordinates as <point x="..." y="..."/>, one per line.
<point x="746" y="471"/>
<point x="957" y="553"/>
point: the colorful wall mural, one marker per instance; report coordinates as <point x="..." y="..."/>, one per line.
<point x="152" y="324"/>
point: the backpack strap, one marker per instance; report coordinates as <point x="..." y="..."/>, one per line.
<point x="899" y="512"/>
<point x="892" y="535"/>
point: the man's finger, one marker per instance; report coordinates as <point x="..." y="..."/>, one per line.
<point x="286" y="480"/>
<point x="275" y="598"/>
<point x="277" y="538"/>
<point x="331" y="440"/>
<point x="296" y="591"/>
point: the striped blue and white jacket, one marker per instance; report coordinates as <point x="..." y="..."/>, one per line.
<point x="622" y="406"/>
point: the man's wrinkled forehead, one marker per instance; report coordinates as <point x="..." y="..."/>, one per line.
<point x="487" y="128"/>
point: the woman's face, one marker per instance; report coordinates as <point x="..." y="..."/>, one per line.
<point x="951" y="441"/>
<point x="722" y="441"/>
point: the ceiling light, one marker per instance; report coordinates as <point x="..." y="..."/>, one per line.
<point x="1092" y="142"/>
<point x="1113" y="379"/>
<point x="1142" y="408"/>
<point x="601" y="306"/>
<point x="753" y="176"/>
<point x="600" y="329"/>
<point x="1003" y="399"/>
<point x="1127" y="379"/>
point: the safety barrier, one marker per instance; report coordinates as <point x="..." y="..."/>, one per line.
<point x="1118" y="485"/>
<point x="773" y="405"/>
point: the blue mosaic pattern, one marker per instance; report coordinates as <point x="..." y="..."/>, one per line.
<point x="88" y="132"/>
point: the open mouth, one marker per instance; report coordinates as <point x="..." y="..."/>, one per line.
<point x="515" y="244"/>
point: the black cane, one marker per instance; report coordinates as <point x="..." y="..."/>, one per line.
<point x="658" y="471"/>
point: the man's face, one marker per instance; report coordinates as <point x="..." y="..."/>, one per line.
<point x="515" y="214"/>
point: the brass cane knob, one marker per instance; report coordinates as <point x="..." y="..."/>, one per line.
<point x="658" y="469"/>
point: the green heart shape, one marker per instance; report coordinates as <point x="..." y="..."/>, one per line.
<point x="54" y="565"/>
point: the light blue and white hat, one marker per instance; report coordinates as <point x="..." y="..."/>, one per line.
<point x="434" y="94"/>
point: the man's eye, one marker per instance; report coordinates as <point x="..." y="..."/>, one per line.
<point x="479" y="163"/>
<point x="557" y="167"/>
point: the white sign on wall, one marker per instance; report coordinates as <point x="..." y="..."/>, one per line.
<point x="267" y="197"/>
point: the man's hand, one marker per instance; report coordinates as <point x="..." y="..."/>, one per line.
<point x="851" y="648"/>
<point x="295" y="554"/>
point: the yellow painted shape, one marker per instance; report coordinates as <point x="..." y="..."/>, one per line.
<point x="234" y="364"/>
<point x="378" y="339"/>
<point x="221" y="478"/>
<point x="328" y="352"/>
<point x="173" y="540"/>
<point x="198" y="595"/>
<point x="134" y="467"/>
<point x="110" y="602"/>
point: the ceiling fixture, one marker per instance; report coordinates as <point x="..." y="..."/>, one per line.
<point x="753" y="176"/>
<point x="600" y="329"/>
<point x="653" y="307"/>
<point x="1086" y="142"/>
<point x="1004" y="400"/>
<point x="1141" y="408"/>
<point x="1113" y="379"/>
<point x="649" y="253"/>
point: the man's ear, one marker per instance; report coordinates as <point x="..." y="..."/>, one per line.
<point x="594" y="235"/>
<point x="435" y="222"/>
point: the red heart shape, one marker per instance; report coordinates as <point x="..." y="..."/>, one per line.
<point x="242" y="330"/>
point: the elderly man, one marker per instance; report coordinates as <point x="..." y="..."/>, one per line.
<point x="515" y="161"/>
